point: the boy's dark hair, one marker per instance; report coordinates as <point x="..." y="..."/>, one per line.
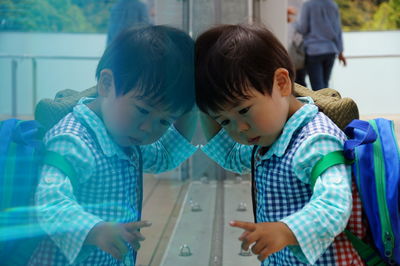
<point x="232" y="58"/>
<point x="157" y="61"/>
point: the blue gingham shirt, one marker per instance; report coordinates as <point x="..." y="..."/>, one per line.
<point x="314" y="225"/>
<point x="163" y="155"/>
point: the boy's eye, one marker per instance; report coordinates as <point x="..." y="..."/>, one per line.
<point x="244" y="110"/>
<point x="142" y="110"/>
<point x="165" y="122"/>
<point x="224" y="123"/>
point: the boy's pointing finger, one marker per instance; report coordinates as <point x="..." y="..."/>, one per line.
<point x="136" y="225"/>
<point x="244" y="225"/>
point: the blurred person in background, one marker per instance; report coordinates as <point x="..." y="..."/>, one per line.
<point x="320" y="26"/>
<point x="296" y="39"/>
<point x="124" y="14"/>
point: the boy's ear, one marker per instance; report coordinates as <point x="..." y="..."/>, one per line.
<point x="283" y="82"/>
<point x="106" y="86"/>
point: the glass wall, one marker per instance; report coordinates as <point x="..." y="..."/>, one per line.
<point x="48" y="46"/>
<point x="51" y="46"/>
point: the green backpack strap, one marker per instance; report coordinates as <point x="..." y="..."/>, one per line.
<point x="58" y="161"/>
<point x="329" y="160"/>
<point x="366" y="252"/>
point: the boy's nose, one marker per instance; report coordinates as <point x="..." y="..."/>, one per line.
<point x="242" y="127"/>
<point x="146" y="126"/>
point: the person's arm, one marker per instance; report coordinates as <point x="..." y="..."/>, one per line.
<point x="70" y="227"/>
<point x="228" y="153"/>
<point x="310" y="231"/>
<point x="186" y="124"/>
<point x="114" y="23"/>
<point x="342" y="59"/>
<point x="223" y="149"/>
<point x="167" y="153"/>
<point x="302" y="25"/>
<point x="317" y="224"/>
<point x="58" y="212"/>
<point x="209" y="126"/>
<point x="339" y="39"/>
<point x="144" y="14"/>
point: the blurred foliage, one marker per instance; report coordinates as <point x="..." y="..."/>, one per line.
<point x="54" y="15"/>
<point x="92" y="15"/>
<point x="355" y="13"/>
<point x="387" y="17"/>
<point x="367" y="15"/>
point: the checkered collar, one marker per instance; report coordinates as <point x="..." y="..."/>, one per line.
<point x="300" y="118"/>
<point x="85" y="114"/>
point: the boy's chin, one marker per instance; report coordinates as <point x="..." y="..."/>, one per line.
<point x="126" y="142"/>
<point x="262" y="141"/>
<point x="243" y="142"/>
<point x="135" y="141"/>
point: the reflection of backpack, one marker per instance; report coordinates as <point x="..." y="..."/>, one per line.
<point x="21" y="154"/>
<point x="372" y="151"/>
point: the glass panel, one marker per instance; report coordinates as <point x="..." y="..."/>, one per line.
<point x="47" y="46"/>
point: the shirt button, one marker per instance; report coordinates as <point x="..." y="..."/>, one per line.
<point x="49" y="179"/>
<point x="337" y="180"/>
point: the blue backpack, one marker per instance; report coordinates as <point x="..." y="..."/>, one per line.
<point x="373" y="153"/>
<point x="21" y="155"/>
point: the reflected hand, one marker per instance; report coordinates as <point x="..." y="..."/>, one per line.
<point x="111" y="237"/>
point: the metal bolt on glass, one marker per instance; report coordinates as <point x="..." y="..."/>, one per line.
<point x="195" y="206"/>
<point x="242" y="207"/>
<point x="244" y="252"/>
<point x="205" y="180"/>
<point x="184" y="251"/>
<point x="238" y="179"/>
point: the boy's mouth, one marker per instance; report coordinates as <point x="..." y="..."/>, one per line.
<point x="253" y="140"/>
<point x="135" y="141"/>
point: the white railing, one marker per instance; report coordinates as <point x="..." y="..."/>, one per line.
<point x="34" y="59"/>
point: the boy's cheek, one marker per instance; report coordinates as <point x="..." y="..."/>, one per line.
<point x="238" y="138"/>
<point x="156" y="135"/>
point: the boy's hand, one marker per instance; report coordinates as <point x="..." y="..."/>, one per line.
<point x="112" y="237"/>
<point x="268" y="237"/>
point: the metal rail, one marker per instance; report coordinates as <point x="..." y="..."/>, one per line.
<point x="34" y="59"/>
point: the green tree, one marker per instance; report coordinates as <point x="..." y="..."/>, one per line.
<point x="98" y="13"/>
<point x="363" y="15"/>
<point x="43" y="15"/>
<point x="387" y="17"/>
<point x="355" y="13"/>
